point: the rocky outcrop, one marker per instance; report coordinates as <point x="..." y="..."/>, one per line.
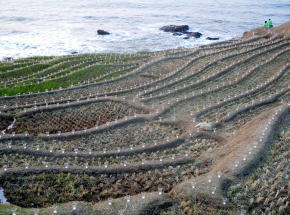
<point x="212" y="38"/>
<point x="194" y="34"/>
<point x="8" y="59"/>
<point x="175" y="28"/>
<point x="177" y="34"/>
<point x="179" y="30"/>
<point x="102" y="32"/>
<point x="206" y="126"/>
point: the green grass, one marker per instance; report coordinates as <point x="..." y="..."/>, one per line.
<point x="5" y="66"/>
<point x="35" y="83"/>
<point x="6" y="209"/>
<point x="25" y="71"/>
<point x="64" y="82"/>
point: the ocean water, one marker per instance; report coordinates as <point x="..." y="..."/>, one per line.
<point x="2" y="197"/>
<point x="58" y="27"/>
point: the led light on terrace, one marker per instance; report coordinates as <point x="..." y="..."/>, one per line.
<point x="125" y="163"/>
<point x="224" y="201"/>
<point x="236" y="164"/>
<point x="45" y="164"/>
<point x="255" y="145"/>
<point x="66" y="165"/>
<point x="76" y="151"/>
<point x="14" y="211"/>
<point x="243" y="212"/>
<point x="86" y="165"/>
<point x="13" y="134"/>
<point x="110" y="201"/>
<point x="36" y="211"/>
<point x="209" y="179"/>
<point x="213" y="191"/>
<point x="24" y="145"/>
<point x="54" y="209"/>
<point x="9" y="145"/>
<point x="193" y="185"/>
<point x="160" y="190"/>
<point x="106" y="164"/>
<point x="118" y="149"/>
<point x="74" y="206"/>
<point x="128" y="199"/>
<point x="5" y="168"/>
<point x="26" y="165"/>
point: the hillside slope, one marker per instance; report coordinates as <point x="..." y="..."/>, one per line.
<point x="191" y="131"/>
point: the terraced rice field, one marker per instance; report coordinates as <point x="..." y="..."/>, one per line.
<point x="192" y="131"/>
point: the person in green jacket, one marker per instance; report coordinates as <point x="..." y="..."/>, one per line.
<point x="266" y="24"/>
<point x="270" y="23"/>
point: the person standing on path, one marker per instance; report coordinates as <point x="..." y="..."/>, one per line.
<point x="270" y="23"/>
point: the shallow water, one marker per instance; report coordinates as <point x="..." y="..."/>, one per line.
<point x="53" y="27"/>
<point x="2" y="197"/>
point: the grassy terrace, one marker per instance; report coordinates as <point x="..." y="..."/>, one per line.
<point x="44" y="74"/>
<point x="175" y="132"/>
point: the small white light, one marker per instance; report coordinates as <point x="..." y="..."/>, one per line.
<point x="193" y="185"/>
<point x="36" y="211"/>
<point x="110" y="201"/>
<point x="160" y="189"/>
<point x="74" y="206"/>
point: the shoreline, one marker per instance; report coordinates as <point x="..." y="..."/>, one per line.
<point x="247" y="34"/>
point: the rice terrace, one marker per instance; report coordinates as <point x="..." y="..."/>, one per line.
<point x="204" y="130"/>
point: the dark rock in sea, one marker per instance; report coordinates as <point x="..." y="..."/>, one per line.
<point x="74" y="52"/>
<point x="8" y="58"/>
<point x="212" y="38"/>
<point x="194" y="34"/>
<point x="177" y="34"/>
<point x="175" y="28"/>
<point x="102" y="32"/>
<point x="186" y="38"/>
